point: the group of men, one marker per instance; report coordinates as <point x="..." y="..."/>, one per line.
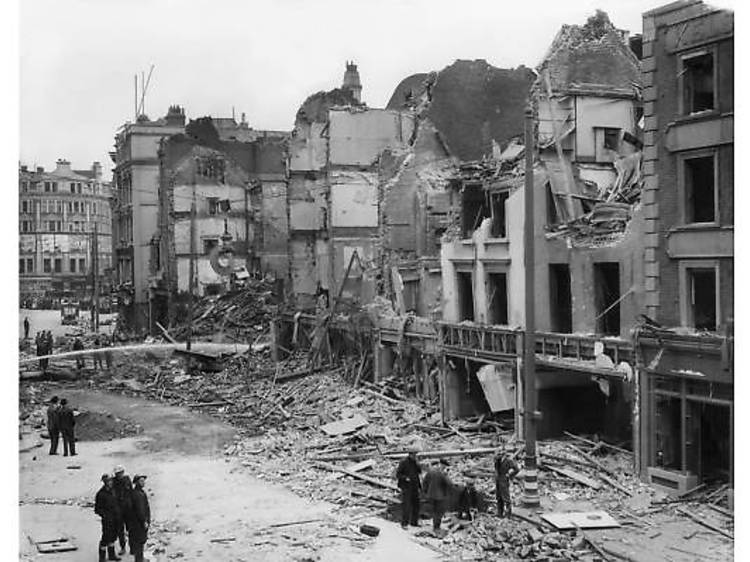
<point x="44" y="341"/>
<point x="61" y="420"/>
<point x="122" y="506"/>
<point x="437" y="488"/>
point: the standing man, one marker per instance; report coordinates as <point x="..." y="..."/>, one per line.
<point x="26" y="326"/>
<point x="67" y="428"/>
<point x="407" y="478"/>
<point x="106" y="507"/>
<point x="505" y="469"/>
<point x="437" y="487"/>
<point x="97" y="355"/>
<point x="124" y="493"/>
<point x="80" y="359"/>
<point x="140" y="518"/>
<point x="53" y="424"/>
<point x="48" y="343"/>
<point x="39" y="349"/>
<point x="107" y="354"/>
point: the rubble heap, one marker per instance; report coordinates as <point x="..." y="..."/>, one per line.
<point x="241" y="315"/>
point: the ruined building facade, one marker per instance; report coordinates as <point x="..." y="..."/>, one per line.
<point x="687" y="375"/>
<point x="240" y="171"/>
<point x="57" y="213"/>
<point x="235" y="186"/>
<point x="333" y="192"/>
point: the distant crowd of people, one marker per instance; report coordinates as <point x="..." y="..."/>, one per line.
<point x="45" y="343"/>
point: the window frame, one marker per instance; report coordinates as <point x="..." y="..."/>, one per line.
<point x="687" y="55"/>
<point x="683" y="187"/>
<point x="686" y="307"/>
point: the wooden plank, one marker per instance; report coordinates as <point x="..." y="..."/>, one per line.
<point x="614" y="484"/>
<point x="576" y="476"/>
<point x="706" y="524"/>
<point x="363" y="465"/>
<point x="357" y="475"/>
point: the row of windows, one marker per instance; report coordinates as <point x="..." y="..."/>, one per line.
<point x="699" y="296"/>
<point x="57" y="206"/>
<point x="59" y="226"/>
<point x="50" y="265"/>
<point x="54" y="187"/>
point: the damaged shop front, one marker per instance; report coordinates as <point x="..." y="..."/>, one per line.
<point x="687" y="409"/>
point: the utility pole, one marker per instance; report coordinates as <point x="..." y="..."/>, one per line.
<point x="95" y="261"/>
<point x="191" y="274"/>
<point x="530" y="483"/>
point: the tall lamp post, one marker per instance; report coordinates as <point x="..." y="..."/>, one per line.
<point x="530" y="482"/>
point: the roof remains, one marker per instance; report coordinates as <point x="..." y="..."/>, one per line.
<point x="593" y="58"/>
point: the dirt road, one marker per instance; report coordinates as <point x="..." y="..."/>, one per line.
<point x="197" y="495"/>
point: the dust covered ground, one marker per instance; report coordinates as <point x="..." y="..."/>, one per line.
<point x="238" y="451"/>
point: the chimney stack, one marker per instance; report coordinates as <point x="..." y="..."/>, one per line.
<point x="96" y="167"/>
<point x="63" y="166"/>
<point x="351" y="81"/>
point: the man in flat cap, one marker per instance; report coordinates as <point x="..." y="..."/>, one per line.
<point x="106" y="507"/>
<point x="505" y="469"/>
<point x="67" y="423"/>
<point x="53" y="424"/>
<point x="407" y="478"/>
<point x="124" y="493"/>
<point x="139" y="519"/>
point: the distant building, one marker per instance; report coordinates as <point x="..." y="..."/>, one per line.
<point x="136" y="203"/>
<point x="57" y="214"/>
<point x="135" y="208"/>
<point x="238" y="188"/>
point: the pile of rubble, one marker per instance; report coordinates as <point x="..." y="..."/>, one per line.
<point x="241" y="315"/>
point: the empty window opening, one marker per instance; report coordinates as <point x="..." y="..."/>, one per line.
<point x="21" y="266"/>
<point x="497" y="298"/>
<point x="700" y="189"/>
<point x="465" y="296"/>
<point x="72" y="266"/>
<point x="497" y="208"/>
<point x="712" y="441"/>
<point x="474" y="208"/>
<point x="607" y="141"/>
<point x="585" y="407"/>
<point x="411" y="295"/>
<point x="607" y="297"/>
<point x="553" y="217"/>
<point x="82" y="265"/>
<point x="698" y="83"/>
<point x="47" y="265"/>
<point x="209" y="244"/>
<point x="561" y="303"/>
<point x="668" y="433"/>
<point x="58" y="265"/>
<point x="29" y="265"/>
<point x="702" y="283"/>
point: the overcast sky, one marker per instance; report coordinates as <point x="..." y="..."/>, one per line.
<point x="78" y="57"/>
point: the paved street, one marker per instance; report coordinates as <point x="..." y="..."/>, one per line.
<point x="196" y="496"/>
<point x="52" y="320"/>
